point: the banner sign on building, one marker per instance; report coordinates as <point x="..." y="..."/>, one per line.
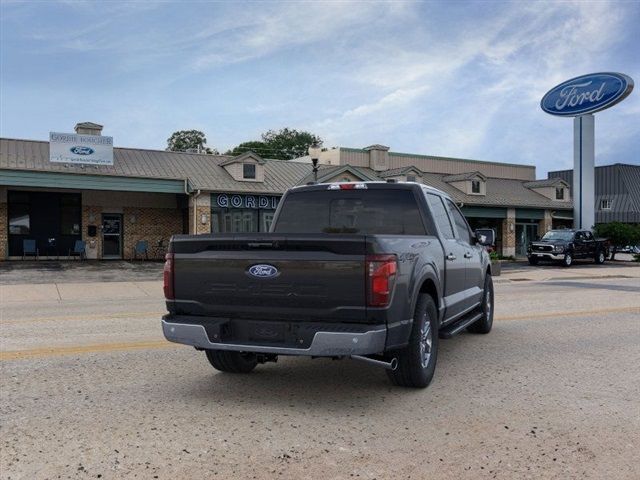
<point x="80" y="149"/>
<point x="587" y="94"/>
<point x="233" y="200"/>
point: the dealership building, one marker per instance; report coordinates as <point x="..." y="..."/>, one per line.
<point x="617" y="192"/>
<point x="78" y="187"/>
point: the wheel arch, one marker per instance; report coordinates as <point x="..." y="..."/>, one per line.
<point x="431" y="285"/>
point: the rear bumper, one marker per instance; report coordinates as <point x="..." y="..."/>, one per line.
<point x="323" y="343"/>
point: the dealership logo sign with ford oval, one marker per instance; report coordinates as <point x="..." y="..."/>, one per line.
<point x="82" y="150"/>
<point x="263" y="271"/>
<point x="587" y="94"/>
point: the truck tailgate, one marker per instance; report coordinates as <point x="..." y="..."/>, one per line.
<point x="271" y="276"/>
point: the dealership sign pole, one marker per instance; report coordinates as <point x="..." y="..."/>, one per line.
<point x="580" y="98"/>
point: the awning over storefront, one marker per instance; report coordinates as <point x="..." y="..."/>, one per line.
<point x="562" y="215"/>
<point x="484" y="212"/>
<point x="529" y="213"/>
<point x="23" y="178"/>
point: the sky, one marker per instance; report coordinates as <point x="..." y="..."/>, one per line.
<point x="451" y="78"/>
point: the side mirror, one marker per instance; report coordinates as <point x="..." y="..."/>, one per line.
<point x="485" y="236"/>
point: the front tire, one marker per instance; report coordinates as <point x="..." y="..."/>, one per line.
<point x="568" y="260"/>
<point x="533" y="261"/>
<point x="232" y="362"/>
<point x="600" y="257"/>
<point x="484" y="324"/>
<point x="417" y="361"/>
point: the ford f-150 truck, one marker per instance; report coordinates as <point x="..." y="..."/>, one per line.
<point x="373" y="271"/>
<point x="565" y="246"/>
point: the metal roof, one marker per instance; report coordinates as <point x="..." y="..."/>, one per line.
<point x="205" y="172"/>
<point x="619" y="184"/>
<point x="547" y="182"/>
<point x="327" y="171"/>
<point x="500" y="192"/>
<point x="463" y="176"/>
<point x="393" y="172"/>
<point x="202" y="171"/>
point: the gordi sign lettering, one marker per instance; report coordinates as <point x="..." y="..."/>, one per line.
<point x="587" y="94"/>
<point x="226" y="200"/>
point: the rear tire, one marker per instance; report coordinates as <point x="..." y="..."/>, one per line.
<point x="484" y="324"/>
<point x="417" y="361"/>
<point x="232" y="362"/>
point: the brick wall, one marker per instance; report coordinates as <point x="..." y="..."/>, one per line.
<point x="150" y="224"/>
<point x="509" y="233"/>
<point x="545" y="224"/>
<point x="91" y="215"/>
<point x="202" y="206"/>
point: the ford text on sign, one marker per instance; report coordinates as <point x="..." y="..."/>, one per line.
<point x="587" y="94"/>
<point x="80" y="149"/>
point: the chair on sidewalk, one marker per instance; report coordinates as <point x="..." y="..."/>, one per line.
<point x="29" y="248"/>
<point x="79" y="249"/>
<point x="142" y="247"/>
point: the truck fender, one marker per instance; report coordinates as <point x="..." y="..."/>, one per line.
<point x="428" y="278"/>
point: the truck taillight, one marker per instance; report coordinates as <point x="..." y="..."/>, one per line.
<point x="381" y="276"/>
<point x="167" y="276"/>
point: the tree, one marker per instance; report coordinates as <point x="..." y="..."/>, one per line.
<point x="619" y="234"/>
<point x="289" y="143"/>
<point x="184" y="140"/>
<point x="283" y="144"/>
<point x="255" y="146"/>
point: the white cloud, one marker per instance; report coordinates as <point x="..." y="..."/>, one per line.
<point x="486" y="77"/>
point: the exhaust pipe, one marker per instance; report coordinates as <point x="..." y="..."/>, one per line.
<point x="391" y="365"/>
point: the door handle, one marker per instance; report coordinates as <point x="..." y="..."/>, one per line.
<point x="451" y="256"/>
<point x="468" y="255"/>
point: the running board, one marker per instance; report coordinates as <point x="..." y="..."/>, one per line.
<point x="450" y="330"/>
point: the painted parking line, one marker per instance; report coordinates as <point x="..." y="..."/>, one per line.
<point x="575" y="313"/>
<point x="74" y="350"/>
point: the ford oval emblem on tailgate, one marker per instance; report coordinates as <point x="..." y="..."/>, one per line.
<point x="263" y="271"/>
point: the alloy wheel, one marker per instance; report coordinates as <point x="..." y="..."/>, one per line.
<point x="426" y="341"/>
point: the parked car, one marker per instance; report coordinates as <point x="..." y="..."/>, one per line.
<point x="565" y="246"/>
<point x="374" y="271"/>
<point x="628" y="249"/>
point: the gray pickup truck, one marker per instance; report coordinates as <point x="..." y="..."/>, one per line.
<point x="373" y="271"/>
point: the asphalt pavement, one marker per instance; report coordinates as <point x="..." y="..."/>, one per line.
<point x="90" y="389"/>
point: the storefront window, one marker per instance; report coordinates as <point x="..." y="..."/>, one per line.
<point x="70" y="214"/>
<point x="238" y="213"/>
<point x="234" y="220"/>
<point x="52" y="219"/>
<point x="19" y="221"/>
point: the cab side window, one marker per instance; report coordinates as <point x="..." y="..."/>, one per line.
<point x="462" y="227"/>
<point x="440" y="216"/>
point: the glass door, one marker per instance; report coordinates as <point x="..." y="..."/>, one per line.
<point x="111" y="235"/>
<point x="525" y="233"/>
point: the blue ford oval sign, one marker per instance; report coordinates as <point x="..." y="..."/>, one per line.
<point x="587" y="94"/>
<point x="81" y="150"/>
<point x="263" y="271"/>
